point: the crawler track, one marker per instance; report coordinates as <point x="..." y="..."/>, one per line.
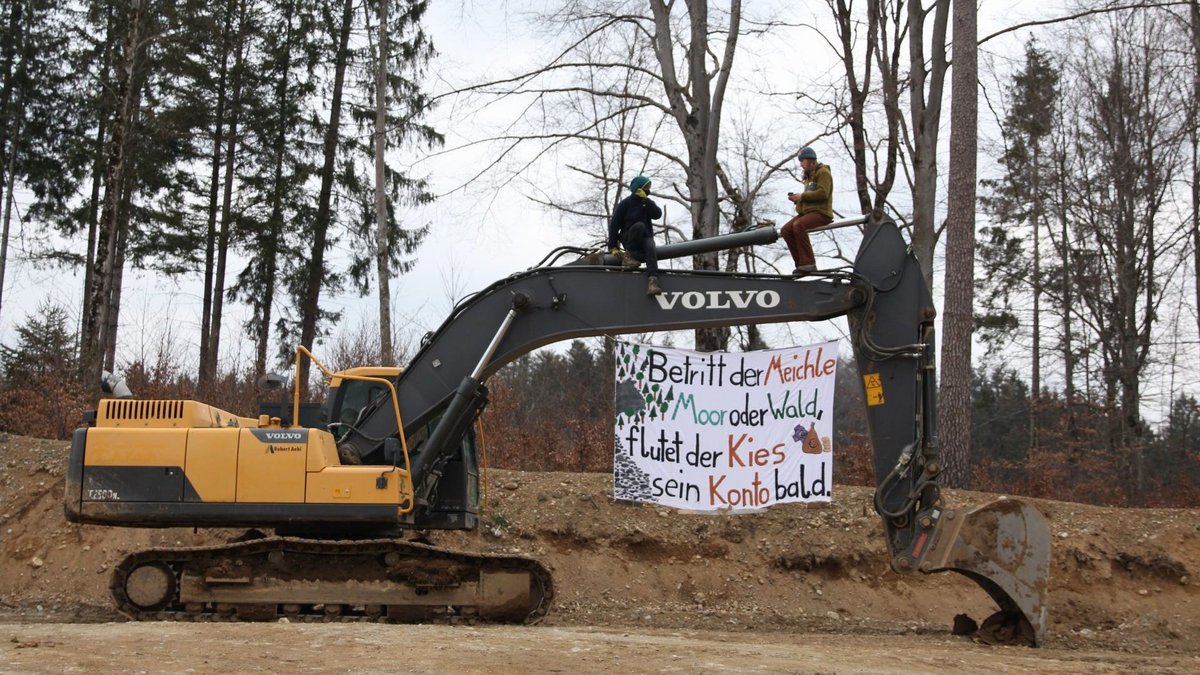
<point x="315" y="580"/>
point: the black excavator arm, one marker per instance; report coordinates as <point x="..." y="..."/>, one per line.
<point x="1003" y="546"/>
<point x="884" y="296"/>
<point x="148" y="463"/>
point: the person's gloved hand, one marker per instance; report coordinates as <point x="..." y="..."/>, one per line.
<point x="641" y="193"/>
<point x="615" y="251"/>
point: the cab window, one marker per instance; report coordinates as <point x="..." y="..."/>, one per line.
<point x="354" y="395"/>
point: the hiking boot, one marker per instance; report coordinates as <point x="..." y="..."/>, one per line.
<point x="801" y="270"/>
<point x="652" y="287"/>
<point x="629" y="262"/>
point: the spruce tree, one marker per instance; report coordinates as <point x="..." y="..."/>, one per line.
<point x="45" y="347"/>
<point x="345" y="211"/>
<point x="278" y="164"/>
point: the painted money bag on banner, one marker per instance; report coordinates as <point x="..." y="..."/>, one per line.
<point x="716" y="431"/>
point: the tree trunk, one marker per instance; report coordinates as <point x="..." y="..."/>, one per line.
<point x="697" y="112"/>
<point x="1068" y="298"/>
<point x="310" y="303"/>
<point x="7" y="136"/>
<point x="118" y="280"/>
<point x="270" y="246"/>
<point x="1194" y="136"/>
<point x="97" y="339"/>
<point x="382" y="251"/>
<point x="9" y="172"/>
<point x="12" y="117"/>
<point x="925" y="103"/>
<point x="857" y="93"/>
<point x="226" y="231"/>
<point x="1035" y="379"/>
<point x="93" y="222"/>
<point x="207" y="355"/>
<point x="954" y="433"/>
<point x="104" y="84"/>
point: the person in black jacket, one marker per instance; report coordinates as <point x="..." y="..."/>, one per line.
<point x="631" y="226"/>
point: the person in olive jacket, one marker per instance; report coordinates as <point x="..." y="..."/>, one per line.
<point x="631" y="226"/>
<point x="814" y="208"/>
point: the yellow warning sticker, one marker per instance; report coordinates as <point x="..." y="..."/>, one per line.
<point x="874" y="386"/>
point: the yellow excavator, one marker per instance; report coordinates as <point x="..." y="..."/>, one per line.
<point x="392" y="453"/>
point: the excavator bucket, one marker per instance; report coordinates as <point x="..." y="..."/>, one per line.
<point x="1004" y="546"/>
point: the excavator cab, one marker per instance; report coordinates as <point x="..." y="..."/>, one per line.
<point x="349" y="398"/>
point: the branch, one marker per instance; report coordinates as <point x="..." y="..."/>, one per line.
<point x="524" y="78"/>
<point x="1080" y="15"/>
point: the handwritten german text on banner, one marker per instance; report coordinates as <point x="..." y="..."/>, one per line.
<point x="713" y="430"/>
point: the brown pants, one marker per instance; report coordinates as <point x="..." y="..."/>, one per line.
<point x="795" y="233"/>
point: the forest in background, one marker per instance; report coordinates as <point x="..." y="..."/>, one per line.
<point x="553" y="411"/>
<point x="179" y="136"/>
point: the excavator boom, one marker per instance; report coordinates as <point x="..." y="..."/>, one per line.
<point x="1004" y="546"/>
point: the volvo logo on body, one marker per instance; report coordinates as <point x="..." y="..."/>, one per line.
<point x="765" y="299"/>
<point x="280" y="436"/>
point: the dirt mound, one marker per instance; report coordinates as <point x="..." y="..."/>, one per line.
<point x="1121" y="579"/>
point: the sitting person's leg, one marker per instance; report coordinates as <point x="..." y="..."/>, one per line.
<point x="807" y="259"/>
<point x="793" y="235"/>
<point x="639" y="241"/>
<point x="650" y="251"/>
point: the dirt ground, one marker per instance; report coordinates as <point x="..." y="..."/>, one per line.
<point x="639" y="589"/>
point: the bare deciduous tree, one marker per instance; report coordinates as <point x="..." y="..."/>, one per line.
<point x="876" y="155"/>
<point x="691" y="49"/>
<point x="1125" y="241"/>
<point x="696" y="97"/>
<point x="926" y="83"/>
<point x="382" y="252"/>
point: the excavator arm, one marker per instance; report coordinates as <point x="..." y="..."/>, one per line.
<point x="544" y="306"/>
<point x="884" y="297"/>
<point x="1003" y="546"/>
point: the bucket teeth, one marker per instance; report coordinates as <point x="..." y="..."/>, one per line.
<point x="1004" y="546"/>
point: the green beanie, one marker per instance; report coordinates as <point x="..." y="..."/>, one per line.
<point x="638" y="183"/>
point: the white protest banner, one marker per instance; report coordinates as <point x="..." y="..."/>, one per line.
<point x="713" y="430"/>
